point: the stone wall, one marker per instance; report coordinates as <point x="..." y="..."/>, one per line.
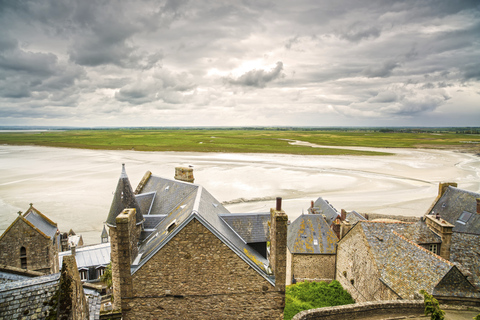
<point x="313" y="267"/>
<point x="195" y="275"/>
<point x="365" y="310"/>
<point x="41" y="254"/>
<point x="357" y="271"/>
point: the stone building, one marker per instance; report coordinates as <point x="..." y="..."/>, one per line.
<point x="31" y="242"/>
<point x="56" y="296"/>
<point x="175" y="256"/>
<point x="376" y="261"/>
<point x="311" y="249"/>
<point x="461" y="209"/>
<point x="91" y="260"/>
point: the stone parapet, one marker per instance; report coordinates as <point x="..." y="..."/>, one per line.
<point x="364" y="310"/>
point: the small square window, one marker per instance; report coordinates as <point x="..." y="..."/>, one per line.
<point x="433" y="248"/>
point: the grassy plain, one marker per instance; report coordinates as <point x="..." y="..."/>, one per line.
<point x="239" y="141"/>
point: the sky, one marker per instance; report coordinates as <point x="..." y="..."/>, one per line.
<point x="240" y="63"/>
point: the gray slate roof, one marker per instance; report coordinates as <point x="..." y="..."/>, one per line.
<point x="180" y="202"/>
<point x="311" y="234"/>
<point x="26" y="298"/>
<point x="252" y="227"/>
<point x="89" y="256"/>
<point x="324" y="208"/>
<point x="465" y="250"/>
<point x="36" y="218"/>
<point x="123" y="198"/>
<point x="353" y="217"/>
<point x="408" y="268"/>
<point x="30" y="298"/>
<point x="420" y="233"/>
<point x="453" y="203"/>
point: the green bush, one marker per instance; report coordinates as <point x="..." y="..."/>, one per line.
<point x="432" y="307"/>
<point x="312" y="295"/>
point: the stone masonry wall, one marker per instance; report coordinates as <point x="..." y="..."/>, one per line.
<point x="42" y="255"/>
<point x="365" y="310"/>
<point x="196" y="276"/>
<point x="313" y="267"/>
<point x="357" y="271"/>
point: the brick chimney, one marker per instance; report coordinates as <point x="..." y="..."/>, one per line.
<point x="278" y="245"/>
<point x="443" y="229"/>
<point x="184" y="174"/>
<point x="124" y="239"/>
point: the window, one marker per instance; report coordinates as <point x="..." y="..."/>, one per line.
<point x="23" y="257"/>
<point x="100" y="272"/>
<point x="83" y="275"/>
<point x="433" y="248"/>
<point x="464" y="217"/>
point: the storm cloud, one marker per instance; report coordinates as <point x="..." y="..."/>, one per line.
<point x="144" y="63"/>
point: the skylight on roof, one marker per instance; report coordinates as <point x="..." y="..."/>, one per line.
<point x="464" y="217"/>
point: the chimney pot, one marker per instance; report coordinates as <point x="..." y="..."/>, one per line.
<point x="312" y="204"/>
<point x="279" y="204"/>
<point x="478" y="205"/>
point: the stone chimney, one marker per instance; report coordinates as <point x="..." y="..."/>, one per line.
<point x="73" y="249"/>
<point x="343" y="215"/>
<point x="124" y="249"/>
<point x="278" y="245"/>
<point x="443" y="229"/>
<point x="184" y="174"/>
<point x="72" y="303"/>
<point x="478" y="205"/>
<point x="442" y="187"/>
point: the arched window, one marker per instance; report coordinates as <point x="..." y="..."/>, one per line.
<point x="23" y="257"/>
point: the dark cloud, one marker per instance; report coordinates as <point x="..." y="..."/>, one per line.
<point x="382" y="70"/>
<point x="259" y="77"/>
<point x="400" y="59"/>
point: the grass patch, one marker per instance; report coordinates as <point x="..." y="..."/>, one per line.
<point x="237" y="141"/>
<point x="312" y="295"/>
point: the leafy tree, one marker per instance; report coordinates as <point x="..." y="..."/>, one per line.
<point x="432" y="307"/>
<point x="477" y="317"/>
<point x="107" y="276"/>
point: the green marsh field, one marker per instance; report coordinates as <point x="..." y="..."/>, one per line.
<point x="242" y="141"/>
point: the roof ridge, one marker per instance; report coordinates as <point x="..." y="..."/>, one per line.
<point x="385" y="222"/>
<point x="422" y="248"/>
<point x="28" y="223"/>
<point x="32" y="208"/>
<point x="30" y="282"/>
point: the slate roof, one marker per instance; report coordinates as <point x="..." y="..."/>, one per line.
<point x="420" y="233"/>
<point x="123" y="198"/>
<point x="181" y="202"/>
<point x="310" y="234"/>
<point x="39" y="220"/>
<point x="453" y="203"/>
<point x="324" y="208"/>
<point x="406" y="267"/>
<point x="252" y="227"/>
<point x="353" y="217"/>
<point x="465" y="250"/>
<point x="89" y="256"/>
<point x="29" y="299"/>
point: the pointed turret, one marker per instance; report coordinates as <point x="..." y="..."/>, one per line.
<point x="104" y="235"/>
<point x="124" y="198"/>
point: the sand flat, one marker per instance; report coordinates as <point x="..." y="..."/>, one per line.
<point x="74" y="187"/>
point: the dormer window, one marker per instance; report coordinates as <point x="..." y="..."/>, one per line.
<point x="433" y="248"/>
<point x="171" y="226"/>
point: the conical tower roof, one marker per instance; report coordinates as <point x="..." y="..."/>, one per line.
<point x="122" y="199"/>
